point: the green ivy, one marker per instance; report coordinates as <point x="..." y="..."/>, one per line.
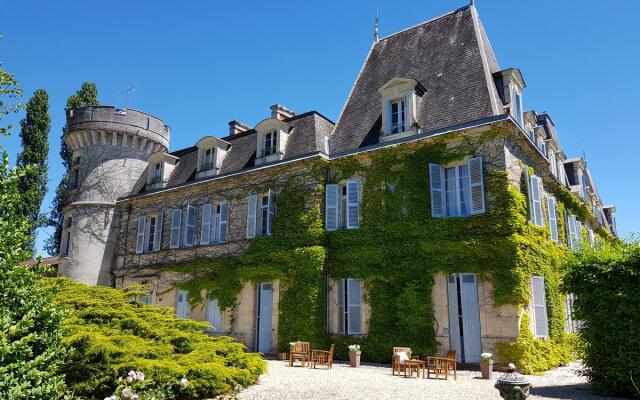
<point x="396" y="251"/>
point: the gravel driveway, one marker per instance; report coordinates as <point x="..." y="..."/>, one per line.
<point x="376" y="382"/>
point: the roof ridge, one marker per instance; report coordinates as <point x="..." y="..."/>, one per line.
<point x="424" y="23"/>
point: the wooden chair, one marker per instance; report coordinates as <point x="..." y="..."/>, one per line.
<point x="442" y="366"/>
<point x="322" y="357"/>
<point x="396" y="364"/>
<point x="299" y="352"/>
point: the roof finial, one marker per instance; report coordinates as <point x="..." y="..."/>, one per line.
<point x="473" y="3"/>
<point x="376" y="32"/>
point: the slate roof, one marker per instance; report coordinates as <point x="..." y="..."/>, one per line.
<point x="308" y="136"/>
<point x="450" y="56"/>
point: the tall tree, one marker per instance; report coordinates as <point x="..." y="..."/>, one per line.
<point x="35" y="149"/>
<point x="87" y="95"/>
<point x="31" y="353"/>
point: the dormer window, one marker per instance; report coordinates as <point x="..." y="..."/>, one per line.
<point x="398" y="117"/>
<point x="270" y="143"/>
<point x="516" y="98"/>
<point x="400" y="98"/>
<point x="207" y="160"/>
<point x="157" y="173"/>
<point x="211" y="154"/>
<point x="510" y="84"/>
<point x="159" y="170"/>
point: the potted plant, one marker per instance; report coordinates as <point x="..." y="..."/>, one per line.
<point x="486" y="365"/>
<point x="354" y="355"/>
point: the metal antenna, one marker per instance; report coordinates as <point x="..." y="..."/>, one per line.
<point x="126" y="95"/>
<point x="376" y="31"/>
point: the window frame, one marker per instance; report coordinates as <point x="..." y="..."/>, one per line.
<point x="401" y="102"/>
<point x="458" y="203"/>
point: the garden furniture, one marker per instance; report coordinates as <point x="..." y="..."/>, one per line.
<point x="399" y="359"/>
<point x="443" y="366"/>
<point x="322" y="357"/>
<point x="414" y="365"/>
<point x="299" y="352"/>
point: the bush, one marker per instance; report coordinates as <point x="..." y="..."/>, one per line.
<point x="109" y="334"/>
<point x="606" y="285"/>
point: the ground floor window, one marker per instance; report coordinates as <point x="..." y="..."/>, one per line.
<point x="350" y="306"/>
<point x="183" y="310"/>
<point x="214" y="315"/>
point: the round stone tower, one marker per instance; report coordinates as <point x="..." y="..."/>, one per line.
<point x="110" y="150"/>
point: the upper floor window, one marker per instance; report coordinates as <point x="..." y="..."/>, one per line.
<point x="516" y="98"/>
<point x="149" y="237"/>
<point x="65" y="240"/>
<point x="215" y="219"/>
<point x="574" y="232"/>
<point x="270" y="143"/>
<point x="553" y="218"/>
<point x="535" y="200"/>
<point x="457" y="191"/>
<point x="157" y="173"/>
<point x="397" y="116"/>
<point x="261" y="211"/>
<point x="342" y="205"/>
<point x="207" y="160"/>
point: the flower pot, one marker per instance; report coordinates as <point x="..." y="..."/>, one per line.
<point x="486" y="368"/>
<point x="354" y="358"/>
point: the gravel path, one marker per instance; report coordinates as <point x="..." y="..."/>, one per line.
<point x="376" y="382"/>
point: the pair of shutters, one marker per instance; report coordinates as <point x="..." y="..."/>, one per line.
<point x="214" y="224"/>
<point x="574" y="232"/>
<point x="252" y="214"/>
<point x="540" y="325"/>
<point x="350" y="306"/>
<point x="553" y="218"/>
<point x="438" y="188"/>
<point x="188" y="234"/>
<point x="144" y="231"/>
<point x="333" y="208"/>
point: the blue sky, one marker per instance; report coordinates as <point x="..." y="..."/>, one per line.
<point x="198" y="65"/>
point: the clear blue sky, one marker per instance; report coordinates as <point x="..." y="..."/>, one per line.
<point x="198" y="65"/>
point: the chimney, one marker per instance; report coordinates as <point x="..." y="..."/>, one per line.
<point x="236" y="127"/>
<point x="281" y="112"/>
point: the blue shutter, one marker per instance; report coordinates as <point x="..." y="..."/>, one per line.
<point x="141" y="234"/>
<point x="353" y="204"/>
<point x="332" y="201"/>
<point x="436" y="182"/>
<point x="477" y="185"/>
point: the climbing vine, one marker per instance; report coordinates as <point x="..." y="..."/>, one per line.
<point x="398" y="248"/>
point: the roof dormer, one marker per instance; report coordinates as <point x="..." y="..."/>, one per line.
<point x="159" y="168"/>
<point x="211" y="154"/>
<point x="510" y="84"/>
<point x="400" y="97"/>
<point x="272" y="136"/>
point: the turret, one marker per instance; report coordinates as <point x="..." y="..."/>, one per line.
<point x="110" y="150"/>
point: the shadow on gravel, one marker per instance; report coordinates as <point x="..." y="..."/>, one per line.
<point x="576" y="391"/>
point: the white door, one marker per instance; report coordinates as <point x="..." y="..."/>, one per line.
<point x="214" y="315"/>
<point x="464" y="317"/>
<point x="183" y="310"/>
<point x="264" y="307"/>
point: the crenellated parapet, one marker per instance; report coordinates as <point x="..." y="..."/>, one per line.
<point x="110" y="126"/>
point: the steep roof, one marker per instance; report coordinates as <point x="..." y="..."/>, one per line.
<point x="450" y="56"/>
<point x="308" y="136"/>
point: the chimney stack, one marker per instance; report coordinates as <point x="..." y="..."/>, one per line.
<point x="281" y="112"/>
<point x="236" y="127"/>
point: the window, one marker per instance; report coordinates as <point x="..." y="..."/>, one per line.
<point x="190" y="226"/>
<point x="535" y="194"/>
<point x="214" y="223"/>
<point x="570" y="323"/>
<point x="350" y="306"/>
<point x="540" y="325"/>
<point x="261" y="210"/>
<point x="457" y="191"/>
<point x="583" y="185"/>
<point x="183" y="309"/>
<point x="176" y="226"/>
<point x="157" y="173"/>
<point x="270" y="143"/>
<point x="397" y="113"/>
<point x="214" y="316"/>
<point x="554" y="163"/>
<point x="516" y="99"/>
<point x="553" y="218"/>
<point x="342" y="205"/>
<point x="574" y="232"/>
<point x="207" y="160"/>
<point x="149" y="235"/>
<point x="590" y="235"/>
<point x="75" y="173"/>
<point x="65" y="240"/>
<point x="148" y="297"/>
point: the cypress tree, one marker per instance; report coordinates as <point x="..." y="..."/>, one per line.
<point x="87" y="95"/>
<point x="34" y="135"/>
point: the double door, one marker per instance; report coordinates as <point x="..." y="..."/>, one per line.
<point x="464" y="317"/>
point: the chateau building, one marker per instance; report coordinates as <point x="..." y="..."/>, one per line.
<point x="431" y="97"/>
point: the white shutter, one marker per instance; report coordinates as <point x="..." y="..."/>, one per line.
<point x="140" y="243"/>
<point x="271" y="209"/>
<point x="553" y="218"/>
<point x="436" y="182"/>
<point x="578" y="231"/>
<point x="205" y="228"/>
<point x="214" y="315"/>
<point x="537" y="200"/>
<point x="342" y="313"/>
<point x="527" y="180"/>
<point x="176" y="222"/>
<point x="157" y="234"/>
<point x="477" y="185"/>
<point x="541" y="329"/>
<point x="224" y="222"/>
<point x="571" y="228"/>
<point x="251" y="216"/>
<point x="353" y="204"/>
<point x="332" y="200"/>
<point x="190" y="226"/>
<point x="354" y="306"/>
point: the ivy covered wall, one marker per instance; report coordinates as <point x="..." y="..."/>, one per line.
<point x="399" y="248"/>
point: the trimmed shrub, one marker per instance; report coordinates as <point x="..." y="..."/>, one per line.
<point x="108" y="334"/>
<point x="606" y="285"/>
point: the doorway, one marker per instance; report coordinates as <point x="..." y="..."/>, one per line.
<point x="264" y="310"/>
<point x="464" y="317"/>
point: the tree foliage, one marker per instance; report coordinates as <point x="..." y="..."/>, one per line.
<point x="87" y="95"/>
<point x="30" y="334"/>
<point x="606" y="285"/>
<point x="109" y="334"/>
<point x="34" y="134"/>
